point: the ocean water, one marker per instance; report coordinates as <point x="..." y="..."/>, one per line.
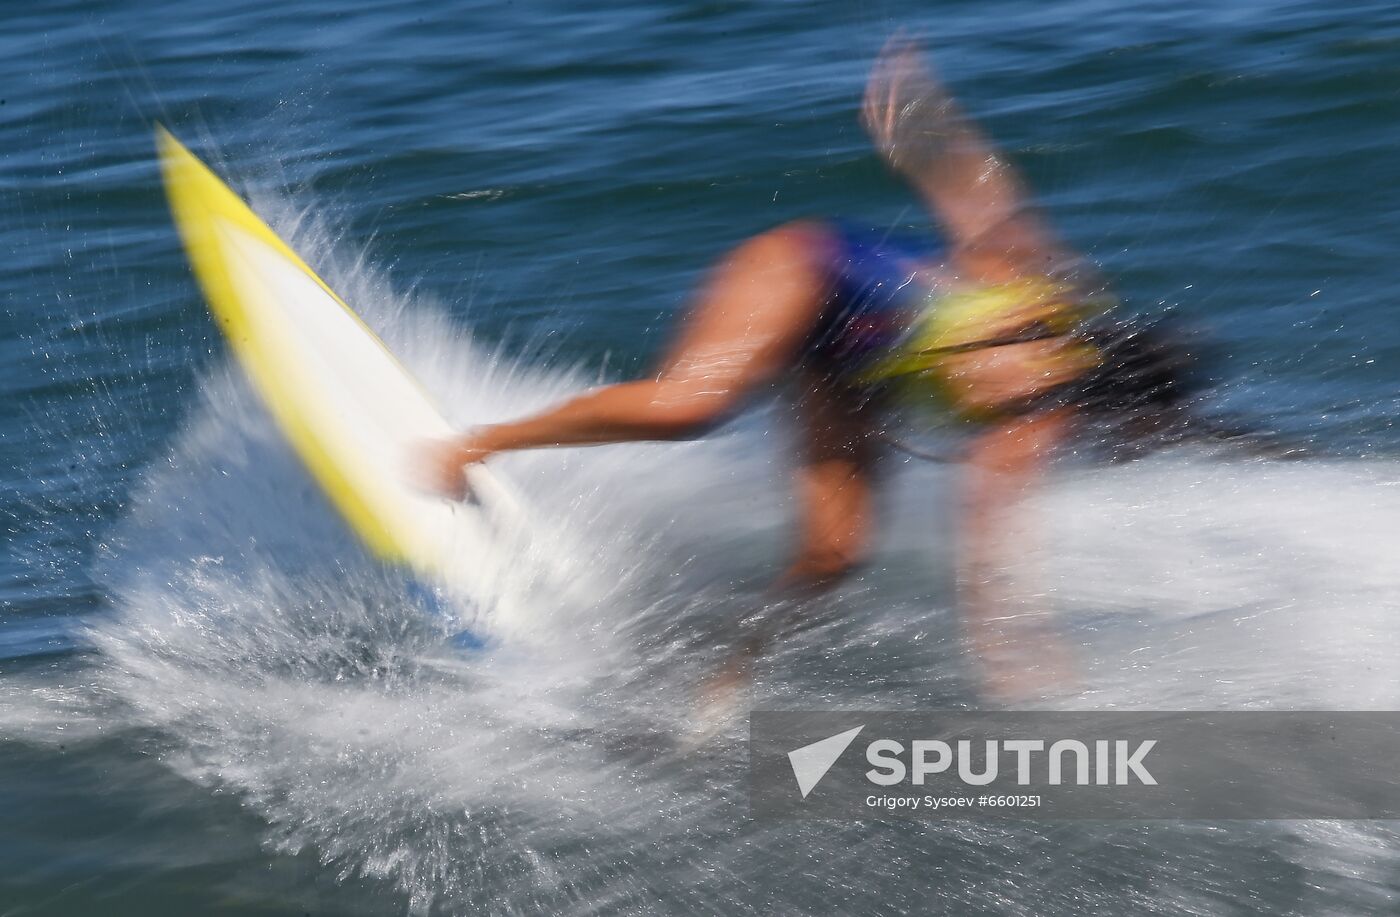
<point x="212" y="702"/>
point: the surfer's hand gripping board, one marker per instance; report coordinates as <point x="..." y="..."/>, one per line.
<point x="446" y="467"/>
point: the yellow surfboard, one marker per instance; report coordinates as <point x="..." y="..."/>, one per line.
<point x="352" y="412"/>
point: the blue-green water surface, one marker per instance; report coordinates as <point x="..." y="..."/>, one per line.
<point x="212" y="703"/>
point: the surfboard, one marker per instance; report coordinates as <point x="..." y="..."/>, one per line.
<point x="349" y="408"/>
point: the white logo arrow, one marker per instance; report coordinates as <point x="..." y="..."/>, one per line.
<point x="811" y="762"/>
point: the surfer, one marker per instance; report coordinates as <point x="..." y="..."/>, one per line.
<point x="992" y="318"/>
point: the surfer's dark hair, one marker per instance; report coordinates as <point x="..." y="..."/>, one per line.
<point x="1148" y="392"/>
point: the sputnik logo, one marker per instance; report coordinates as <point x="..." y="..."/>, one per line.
<point x="811" y="762"/>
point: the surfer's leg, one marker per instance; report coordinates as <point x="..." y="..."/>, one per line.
<point x="835" y="494"/>
<point x="835" y="488"/>
<point x="1017" y="649"/>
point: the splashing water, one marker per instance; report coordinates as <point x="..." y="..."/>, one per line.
<point x="280" y="662"/>
<point x="273" y="660"/>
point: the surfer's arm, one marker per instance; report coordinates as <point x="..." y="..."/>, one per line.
<point x="746" y="328"/>
<point x="649" y="409"/>
<point x="973" y="192"/>
<point x="749" y="323"/>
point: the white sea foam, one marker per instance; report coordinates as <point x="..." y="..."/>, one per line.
<point x="277" y="662"/>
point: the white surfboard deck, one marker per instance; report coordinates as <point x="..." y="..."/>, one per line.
<point x="351" y="411"/>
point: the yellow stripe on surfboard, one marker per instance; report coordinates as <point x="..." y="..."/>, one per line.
<point x="200" y="200"/>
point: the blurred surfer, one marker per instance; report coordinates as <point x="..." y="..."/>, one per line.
<point x="991" y="318"/>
